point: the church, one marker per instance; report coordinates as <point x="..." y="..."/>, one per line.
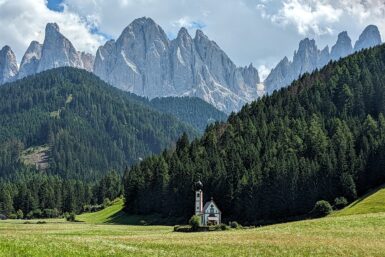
<point x="209" y="213"/>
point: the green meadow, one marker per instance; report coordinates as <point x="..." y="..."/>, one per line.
<point x="350" y="232"/>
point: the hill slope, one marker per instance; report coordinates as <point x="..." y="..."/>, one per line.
<point x="86" y="126"/>
<point x="373" y="202"/>
<point x="321" y="138"/>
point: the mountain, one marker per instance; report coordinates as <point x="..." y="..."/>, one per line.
<point x="30" y="62"/>
<point x="319" y="139"/>
<point x="57" y="50"/>
<point x="370" y="37"/>
<point x="8" y="65"/>
<point x="309" y="57"/>
<point x="68" y="122"/>
<point x="190" y="110"/>
<point x="343" y="46"/>
<point x="144" y="61"/>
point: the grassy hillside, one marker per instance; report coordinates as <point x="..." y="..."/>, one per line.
<point x="373" y="202"/>
<point x="355" y="235"/>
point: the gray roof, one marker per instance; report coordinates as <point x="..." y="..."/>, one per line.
<point x="208" y="204"/>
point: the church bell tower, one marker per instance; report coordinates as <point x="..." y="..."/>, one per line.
<point x="198" y="198"/>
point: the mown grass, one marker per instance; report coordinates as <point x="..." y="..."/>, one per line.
<point x="373" y="202"/>
<point x="356" y="235"/>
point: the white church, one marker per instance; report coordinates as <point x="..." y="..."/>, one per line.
<point x="209" y="213"/>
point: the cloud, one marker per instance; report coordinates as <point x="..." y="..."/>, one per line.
<point x="26" y="21"/>
<point x="321" y="17"/>
<point x="308" y="16"/>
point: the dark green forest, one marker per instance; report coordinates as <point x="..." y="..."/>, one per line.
<point x="86" y="128"/>
<point x="191" y="110"/>
<point x="319" y="139"/>
<point x="36" y="195"/>
<point x="89" y="126"/>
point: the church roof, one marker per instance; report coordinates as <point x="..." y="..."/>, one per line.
<point x="207" y="205"/>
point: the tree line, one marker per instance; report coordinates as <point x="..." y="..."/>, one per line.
<point x="30" y="194"/>
<point x="322" y="138"/>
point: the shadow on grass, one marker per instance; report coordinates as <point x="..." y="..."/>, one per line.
<point x="372" y="192"/>
<point x="122" y="218"/>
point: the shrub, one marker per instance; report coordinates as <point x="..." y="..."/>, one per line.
<point x="12" y="216"/>
<point x="51" y="213"/>
<point x="71" y="217"/>
<point x="224" y="227"/>
<point x="340" y="202"/>
<point x="106" y="203"/>
<point x="29" y="215"/>
<point x="41" y="222"/>
<point x="37" y="213"/>
<point x="182" y="229"/>
<point x="195" y="222"/>
<point x="20" y="214"/>
<point x="234" y="224"/>
<point x="142" y="222"/>
<point x="3" y="217"/>
<point x="321" y="209"/>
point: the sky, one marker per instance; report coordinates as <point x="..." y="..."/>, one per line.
<point x="261" y="32"/>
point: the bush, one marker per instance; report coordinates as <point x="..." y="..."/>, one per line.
<point x="12" y="216"/>
<point x="37" y="213"/>
<point x="234" y="224"/>
<point x="195" y="222"/>
<point x="41" y="222"/>
<point x="106" y="203"/>
<point x="224" y="227"/>
<point x="143" y="222"/>
<point x="340" y="202"/>
<point x="29" y="215"/>
<point x="182" y="229"/>
<point x="321" y="209"/>
<point x="71" y="217"/>
<point x="3" y="217"/>
<point x="20" y="214"/>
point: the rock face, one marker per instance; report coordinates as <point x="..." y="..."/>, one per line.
<point x="343" y="46"/>
<point x="144" y="61"/>
<point x="370" y="37"/>
<point x="57" y="50"/>
<point x="308" y="57"/>
<point x="8" y="65"/>
<point x="87" y="60"/>
<point x="30" y="61"/>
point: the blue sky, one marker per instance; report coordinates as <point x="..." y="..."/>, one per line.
<point x="55" y="5"/>
<point x="257" y="31"/>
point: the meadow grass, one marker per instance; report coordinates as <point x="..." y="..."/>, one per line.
<point x="373" y="202"/>
<point x="355" y="235"/>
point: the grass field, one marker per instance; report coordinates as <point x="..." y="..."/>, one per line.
<point x="373" y="202"/>
<point x="345" y="235"/>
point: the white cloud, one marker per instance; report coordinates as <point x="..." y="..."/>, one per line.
<point x="263" y="71"/>
<point x="308" y="16"/>
<point x="25" y="21"/>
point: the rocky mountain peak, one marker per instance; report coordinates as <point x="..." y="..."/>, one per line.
<point x="343" y="46"/>
<point x="369" y="37"/>
<point x="57" y="50"/>
<point x="30" y="61"/>
<point x="8" y="65"/>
